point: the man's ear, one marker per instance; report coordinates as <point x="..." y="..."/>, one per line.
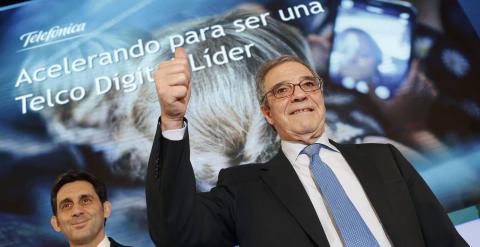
<point x="54" y="223"/>
<point x="107" y="209"/>
<point x="267" y="113"/>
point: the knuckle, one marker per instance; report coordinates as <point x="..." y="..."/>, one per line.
<point x="186" y="67"/>
<point x="182" y="77"/>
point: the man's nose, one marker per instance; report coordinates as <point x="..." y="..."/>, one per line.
<point x="298" y="94"/>
<point x="77" y="210"/>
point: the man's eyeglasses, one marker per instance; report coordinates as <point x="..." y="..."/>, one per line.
<point x="286" y="89"/>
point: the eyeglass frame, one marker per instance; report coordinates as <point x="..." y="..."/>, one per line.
<point x="318" y="80"/>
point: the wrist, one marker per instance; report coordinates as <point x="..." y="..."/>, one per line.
<point x="167" y="123"/>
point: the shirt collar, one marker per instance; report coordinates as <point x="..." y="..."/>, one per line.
<point x="105" y="242"/>
<point x="292" y="149"/>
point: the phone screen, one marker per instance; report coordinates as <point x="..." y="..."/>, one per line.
<point x="371" y="46"/>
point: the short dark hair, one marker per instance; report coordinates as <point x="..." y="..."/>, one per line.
<point x="72" y="176"/>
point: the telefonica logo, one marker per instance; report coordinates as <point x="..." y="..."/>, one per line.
<point x="53" y="35"/>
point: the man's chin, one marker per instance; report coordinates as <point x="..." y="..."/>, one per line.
<point x="82" y="236"/>
<point x="308" y="129"/>
<point x="81" y="240"/>
<point x="304" y="135"/>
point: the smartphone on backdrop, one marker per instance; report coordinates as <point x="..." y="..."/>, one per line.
<point x="372" y="46"/>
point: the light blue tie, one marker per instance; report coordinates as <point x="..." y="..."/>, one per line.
<point x="354" y="231"/>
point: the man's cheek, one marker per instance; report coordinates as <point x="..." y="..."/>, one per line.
<point x="285" y="110"/>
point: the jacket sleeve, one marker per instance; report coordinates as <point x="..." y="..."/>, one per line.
<point x="437" y="229"/>
<point x="177" y="214"/>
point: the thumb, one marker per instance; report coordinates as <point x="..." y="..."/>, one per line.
<point x="180" y="53"/>
<point x="409" y="83"/>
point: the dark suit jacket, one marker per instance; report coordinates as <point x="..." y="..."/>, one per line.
<point x="266" y="204"/>
<point x="113" y="243"/>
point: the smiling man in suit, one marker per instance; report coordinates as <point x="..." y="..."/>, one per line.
<point x="80" y="209"/>
<point x="314" y="192"/>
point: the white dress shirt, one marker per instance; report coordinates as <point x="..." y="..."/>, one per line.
<point x="345" y="175"/>
<point x="105" y="242"/>
<point x="174" y="134"/>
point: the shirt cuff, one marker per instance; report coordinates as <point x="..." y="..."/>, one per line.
<point x="175" y="134"/>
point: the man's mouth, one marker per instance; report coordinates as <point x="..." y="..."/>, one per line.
<point x="301" y="110"/>
<point x="80" y="223"/>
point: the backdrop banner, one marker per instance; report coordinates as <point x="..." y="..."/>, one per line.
<point x="77" y="92"/>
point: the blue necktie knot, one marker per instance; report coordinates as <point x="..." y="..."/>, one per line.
<point x="312" y="149"/>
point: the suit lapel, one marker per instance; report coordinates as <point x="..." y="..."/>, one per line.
<point x="282" y="179"/>
<point x="374" y="186"/>
<point x="113" y="243"/>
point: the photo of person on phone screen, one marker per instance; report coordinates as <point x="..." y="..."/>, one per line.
<point x="359" y="57"/>
<point x="371" y="49"/>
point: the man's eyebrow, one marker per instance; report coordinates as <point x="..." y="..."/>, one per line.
<point x="68" y="199"/>
<point x="307" y="77"/>
<point x="86" y="195"/>
<point x="281" y="82"/>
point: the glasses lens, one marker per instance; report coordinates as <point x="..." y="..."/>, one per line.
<point x="286" y="89"/>
<point x="282" y="90"/>
<point x="309" y="85"/>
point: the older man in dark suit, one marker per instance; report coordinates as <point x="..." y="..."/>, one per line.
<point x="314" y="192"/>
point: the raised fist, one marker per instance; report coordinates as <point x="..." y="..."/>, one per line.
<point x="172" y="80"/>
